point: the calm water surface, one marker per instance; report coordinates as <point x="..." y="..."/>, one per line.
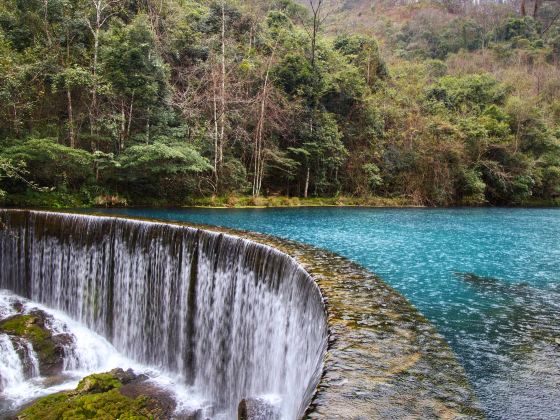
<point x="489" y="279"/>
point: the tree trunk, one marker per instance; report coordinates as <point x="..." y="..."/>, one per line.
<point x="46" y="20"/>
<point x="536" y="8"/>
<point x="130" y="116"/>
<point x="368" y="77"/>
<point x="71" y="128"/>
<point x="16" y="122"/>
<point x="100" y="6"/>
<point x="306" y="183"/>
<point x="123" y="127"/>
<point x="216" y="131"/>
<point x="71" y="131"/>
<point x="93" y="114"/>
<point x="223" y="89"/>
<point x="148" y="127"/>
<point x="258" y="149"/>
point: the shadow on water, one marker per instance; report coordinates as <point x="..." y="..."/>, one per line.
<point x="519" y="307"/>
<point x="521" y="358"/>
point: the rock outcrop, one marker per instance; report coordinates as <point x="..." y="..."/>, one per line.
<point x="257" y="409"/>
<point x="36" y="342"/>
<point x="111" y="395"/>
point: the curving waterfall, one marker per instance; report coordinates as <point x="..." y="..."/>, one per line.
<point x="231" y="317"/>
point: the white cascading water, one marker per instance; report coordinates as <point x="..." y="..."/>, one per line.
<point x="33" y="360"/>
<point x="231" y="318"/>
<point x="11" y="365"/>
<point x="88" y="353"/>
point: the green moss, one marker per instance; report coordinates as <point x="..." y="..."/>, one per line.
<point x="71" y="405"/>
<point x="96" y="397"/>
<point x="29" y="327"/>
<point x="99" y="382"/>
<point x="17" y="325"/>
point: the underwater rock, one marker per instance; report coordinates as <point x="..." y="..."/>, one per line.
<point x="257" y="409"/>
<point x="48" y="348"/>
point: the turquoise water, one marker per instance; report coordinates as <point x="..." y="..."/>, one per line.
<point x="489" y="280"/>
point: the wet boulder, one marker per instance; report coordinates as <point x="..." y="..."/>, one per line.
<point x="257" y="409"/>
<point x="36" y="342"/>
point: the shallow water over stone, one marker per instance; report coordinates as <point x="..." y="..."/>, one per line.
<point x="489" y="279"/>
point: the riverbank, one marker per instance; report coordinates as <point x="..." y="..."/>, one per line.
<point x="62" y="200"/>
<point x="59" y="200"/>
<point x="282" y="201"/>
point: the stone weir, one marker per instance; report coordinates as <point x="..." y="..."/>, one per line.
<point x="238" y="315"/>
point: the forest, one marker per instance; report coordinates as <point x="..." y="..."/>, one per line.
<point x="166" y="102"/>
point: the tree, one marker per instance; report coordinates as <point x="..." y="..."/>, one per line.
<point x="136" y="73"/>
<point x="15" y="172"/>
<point x="103" y="11"/>
<point x="321" y="153"/>
<point x="161" y="169"/>
<point x="363" y="52"/>
<point x="48" y="163"/>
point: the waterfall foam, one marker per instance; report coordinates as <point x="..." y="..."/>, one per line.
<point x="229" y="317"/>
<point x="11" y="367"/>
<point x="88" y="353"/>
<point x="32" y="359"/>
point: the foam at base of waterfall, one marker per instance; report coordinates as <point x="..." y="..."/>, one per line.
<point x="11" y="367"/>
<point x="89" y="354"/>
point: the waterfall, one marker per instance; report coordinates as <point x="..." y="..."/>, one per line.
<point x="32" y="359"/>
<point x="86" y="353"/>
<point x="231" y="317"/>
<point x="11" y="367"/>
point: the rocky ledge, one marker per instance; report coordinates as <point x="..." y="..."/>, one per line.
<point x="31" y="332"/>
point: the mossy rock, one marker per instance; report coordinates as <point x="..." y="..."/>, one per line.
<point x="48" y="347"/>
<point x="105" y="405"/>
<point x="99" y="382"/>
<point x="97" y="396"/>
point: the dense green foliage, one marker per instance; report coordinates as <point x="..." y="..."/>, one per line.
<point x="115" y="102"/>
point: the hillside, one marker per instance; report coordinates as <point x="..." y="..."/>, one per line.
<point x="356" y="16"/>
<point x="112" y="102"/>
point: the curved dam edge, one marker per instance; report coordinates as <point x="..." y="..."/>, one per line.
<point x="384" y="359"/>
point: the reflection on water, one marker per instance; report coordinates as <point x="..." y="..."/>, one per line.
<point x="502" y="319"/>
